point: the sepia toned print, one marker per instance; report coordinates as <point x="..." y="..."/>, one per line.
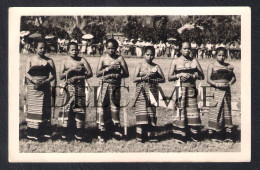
<point x="125" y="85"/>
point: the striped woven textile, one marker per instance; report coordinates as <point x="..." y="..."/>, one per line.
<point x="145" y="111"/>
<point x="220" y="110"/>
<point x="73" y="100"/>
<point x="39" y="104"/>
<point x="186" y="112"/>
<point x="108" y="108"/>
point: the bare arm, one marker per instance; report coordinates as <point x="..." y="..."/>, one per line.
<point x="209" y="73"/>
<point x="62" y="70"/>
<point x="171" y="75"/>
<point x="28" y="76"/>
<point x="200" y="71"/>
<point x="136" y="76"/>
<point x="125" y="67"/>
<point x="88" y="72"/>
<point x="162" y="78"/>
<point x="233" y="79"/>
<point x="52" y="73"/>
<point x="100" y="71"/>
<point x="28" y="66"/>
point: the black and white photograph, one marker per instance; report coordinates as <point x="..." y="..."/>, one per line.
<point x="130" y="84"/>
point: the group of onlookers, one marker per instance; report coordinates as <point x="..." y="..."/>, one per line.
<point x="136" y="48"/>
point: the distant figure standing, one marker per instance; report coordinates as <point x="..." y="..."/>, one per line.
<point x="201" y="51"/>
<point x="157" y="50"/>
<point x="138" y="45"/>
<point x="174" y="50"/>
<point x="209" y="48"/>
<point x="100" y="48"/>
<point x="194" y="49"/>
<point x="83" y="47"/>
<point x="162" y="48"/>
<point x="168" y="49"/>
<point x="126" y="46"/>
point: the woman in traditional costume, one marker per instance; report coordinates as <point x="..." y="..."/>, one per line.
<point x="40" y="72"/>
<point x="220" y="76"/>
<point x="111" y="69"/>
<point x="147" y="76"/>
<point x="75" y="71"/>
<point x="186" y="120"/>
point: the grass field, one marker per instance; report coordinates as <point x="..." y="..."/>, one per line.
<point x="166" y="144"/>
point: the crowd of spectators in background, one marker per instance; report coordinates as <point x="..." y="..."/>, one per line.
<point x="134" y="47"/>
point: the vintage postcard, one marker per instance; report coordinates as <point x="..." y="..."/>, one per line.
<point x="129" y="84"/>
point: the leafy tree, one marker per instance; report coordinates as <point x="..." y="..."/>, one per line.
<point x="77" y="34"/>
<point x="98" y="31"/>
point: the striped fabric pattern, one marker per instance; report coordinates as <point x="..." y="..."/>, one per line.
<point x="39" y="105"/>
<point x="145" y="112"/>
<point x="75" y="104"/>
<point x="108" y="108"/>
<point x="186" y="112"/>
<point x="220" y="110"/>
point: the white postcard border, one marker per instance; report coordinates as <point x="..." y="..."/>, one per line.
<point x="13" y="87"/>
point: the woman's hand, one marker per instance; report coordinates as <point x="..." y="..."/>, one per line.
<point x="145" y="78"/>
<point x="113" y="67"/>
<point x="37" y="83"/>
<point x="222" y="85"/>
<point x="142" y="74"/>
<point x="76" y="68"/>
<point x="150" y="74"/>
<point x="44" y="82"/>
<point x="72" y="80"/>
<point x="184" y="76"/>
<point x="231" y="68"/>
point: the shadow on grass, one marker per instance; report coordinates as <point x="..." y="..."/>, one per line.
<point x="91" y="132"/>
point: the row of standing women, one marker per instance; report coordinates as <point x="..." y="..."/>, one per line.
<point x="112" y="68"/>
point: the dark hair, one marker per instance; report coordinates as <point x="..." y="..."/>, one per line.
<point x="149" y="48"/>
<point x="113" y="41"/>
<point x="72" y="43"/>
<point x="39" y="41"/>
<point x="183" y="43"/>
<point x="221" y="49"/>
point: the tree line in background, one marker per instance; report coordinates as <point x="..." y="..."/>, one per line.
<point x="215" y="29"/>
